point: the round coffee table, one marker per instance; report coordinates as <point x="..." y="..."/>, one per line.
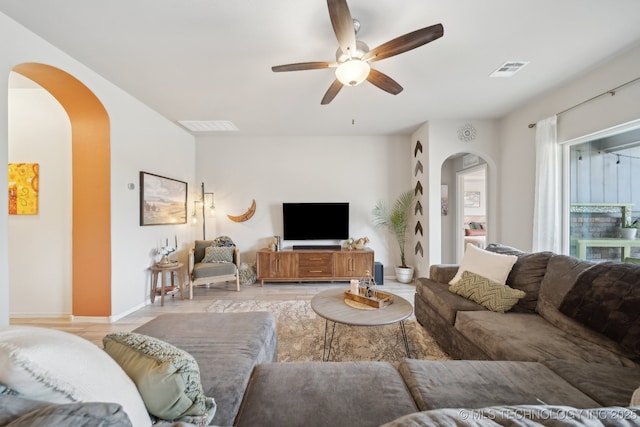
<point x="330" y="305"/>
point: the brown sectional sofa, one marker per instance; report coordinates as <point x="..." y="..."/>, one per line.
<point x="532" y="367"/>
<point x="535" y="330"/>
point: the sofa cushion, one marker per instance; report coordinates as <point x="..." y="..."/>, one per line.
<point x="21" y="412"/>
<point x="528" y="337"/>
<point x="220" y="254"/>
<point x="526" y="274"/>
<point x="325" y="394"/>
<point x="199" y="248"/>
<point x="476" y="384"/>
<point x="168" y="378"/>
<point x="488" y="264"/>
<point x="201" y="245"/>
<point x="562" y="273"/>
<point x="209" y="269"/>
<point x="486" y="292"/>
<point x="39" y="363"/>
<point x="606" y="299"/>
<point x="443" y="301"/>
<point x="608" y="385"/>
<point x="521" y="416"/>
<point x="227" y="346"/>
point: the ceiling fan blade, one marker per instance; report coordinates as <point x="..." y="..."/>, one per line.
<point x="342" y="24"/>
<point x="331" y="92"/>
<point x="303" y="66"/>
<point x="384" y="82"/>
<point x="405" y="43"/>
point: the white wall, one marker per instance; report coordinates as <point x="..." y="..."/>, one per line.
<point x="518" y="141"/>
<point x="448" y="222"/>
<point x="140" y="140"/>
<point x="273" y="170"/>
<point x="440" y="140"/>
<point x="40" y="132"/>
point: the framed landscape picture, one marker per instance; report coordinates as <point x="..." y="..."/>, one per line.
<point x="471" y="199"/>
<point x="162" y="200"/>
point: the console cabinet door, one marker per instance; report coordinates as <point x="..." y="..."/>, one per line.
<point x="353" y="264"/>
<point x="277" y="265"/>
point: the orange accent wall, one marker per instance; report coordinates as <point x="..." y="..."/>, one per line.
<point x="91" y="159"/>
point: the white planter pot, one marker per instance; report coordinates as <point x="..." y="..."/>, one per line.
<point x="628" y="233"/>
<point x="404" y="275"/>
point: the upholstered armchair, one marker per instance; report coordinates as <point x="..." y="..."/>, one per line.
<point x="213" y="261"/>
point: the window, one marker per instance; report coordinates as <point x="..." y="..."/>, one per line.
<point x="604" y="194"/>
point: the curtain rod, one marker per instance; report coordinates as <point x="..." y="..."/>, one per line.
<point x="611" y="92"/>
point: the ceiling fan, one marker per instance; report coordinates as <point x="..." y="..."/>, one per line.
<point x="353" y="56"/>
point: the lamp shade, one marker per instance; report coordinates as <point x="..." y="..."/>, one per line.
<point x="352" y="72"/>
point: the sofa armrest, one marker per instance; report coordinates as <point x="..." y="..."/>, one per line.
<point x="443" y="273"/>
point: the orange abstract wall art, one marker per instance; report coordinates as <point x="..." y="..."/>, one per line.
<point x="23" y="188"/>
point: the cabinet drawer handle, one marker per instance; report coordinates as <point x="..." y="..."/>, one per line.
<point x="315" y="271"/>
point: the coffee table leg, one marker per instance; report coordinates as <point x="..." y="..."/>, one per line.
<point x="325" y="353"/>
<point x="404" y="337"/>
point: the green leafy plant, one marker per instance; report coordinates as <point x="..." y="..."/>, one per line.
<point x="396" y="218"/>
<point x="630" y="224"/>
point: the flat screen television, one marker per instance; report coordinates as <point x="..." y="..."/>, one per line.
<point x="315" y="221"/>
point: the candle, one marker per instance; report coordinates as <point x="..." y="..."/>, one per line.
<point x="354" y="286"/>
<point x="176" y="237"/>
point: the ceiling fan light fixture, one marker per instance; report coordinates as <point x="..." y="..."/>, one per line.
<point x="352" y="72"/>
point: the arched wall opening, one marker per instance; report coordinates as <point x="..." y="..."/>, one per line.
<point x="465" y="208"/>
<point x="91" y="187"/>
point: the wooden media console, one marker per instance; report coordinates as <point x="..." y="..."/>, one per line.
<point x="312" y="265"/>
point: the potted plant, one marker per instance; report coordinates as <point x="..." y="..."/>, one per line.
<point x="396" y="219"/>
<point x="629" y="228"/>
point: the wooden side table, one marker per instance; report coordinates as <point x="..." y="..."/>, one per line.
<point x="159" y="270"/>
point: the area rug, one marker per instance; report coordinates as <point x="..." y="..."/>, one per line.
<point x="301" y="334"/>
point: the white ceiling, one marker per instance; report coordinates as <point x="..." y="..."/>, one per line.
<point x="211" y="59"/>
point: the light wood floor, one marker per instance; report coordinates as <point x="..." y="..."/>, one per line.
<point x="202" y="299"/>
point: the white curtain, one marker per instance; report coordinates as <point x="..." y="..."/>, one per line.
<point x="547" y="210"/>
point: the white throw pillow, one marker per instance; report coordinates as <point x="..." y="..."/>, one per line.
<point x="58" y="367"/>
<point x="635" y="399"/>
<point x="493" y="266"/>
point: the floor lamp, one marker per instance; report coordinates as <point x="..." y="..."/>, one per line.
<point x="202" y="202"/>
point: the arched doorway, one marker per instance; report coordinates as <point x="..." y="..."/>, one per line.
<point x="466" y="217"/>
<point x="91" y="188"/>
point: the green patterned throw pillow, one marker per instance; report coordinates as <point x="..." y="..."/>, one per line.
<point x="492" y="295"/>
<point x="167" y="377"/>
<point x="218" y="254"/>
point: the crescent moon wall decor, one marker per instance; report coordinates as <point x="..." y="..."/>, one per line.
<point x="245" y="216"/>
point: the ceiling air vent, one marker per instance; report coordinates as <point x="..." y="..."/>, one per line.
<point x="208" y="125"/>
<point x="509" y="68"/>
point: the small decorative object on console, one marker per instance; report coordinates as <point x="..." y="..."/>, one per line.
<point x="361" y="243"/>
<point x="348" y="244"/>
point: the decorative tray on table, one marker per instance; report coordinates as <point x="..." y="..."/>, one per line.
<point x="378" y="299"/>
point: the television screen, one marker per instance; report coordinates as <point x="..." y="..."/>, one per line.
<point x="315" y="221"/>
